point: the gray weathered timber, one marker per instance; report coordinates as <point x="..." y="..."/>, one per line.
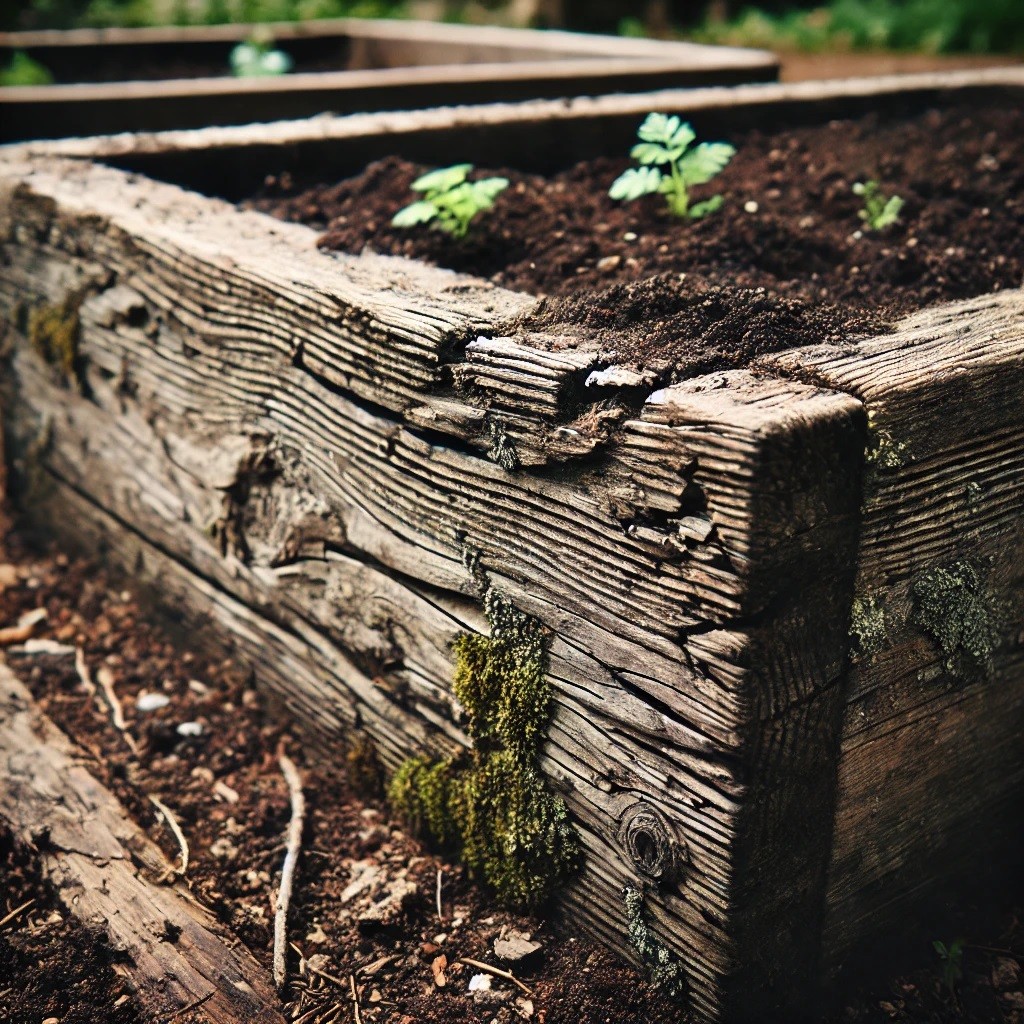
<point x="945" y="487"/>
<point x="107" y="872"/>
<point x="223" y="418"/>
<point x="329" y="459"/>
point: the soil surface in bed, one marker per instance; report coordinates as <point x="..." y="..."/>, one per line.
<point x="224" y="785"/>
<point x="785" y="261"/>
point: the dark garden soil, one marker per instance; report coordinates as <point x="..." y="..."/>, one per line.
<point x="365" y="900"/>
<point x="785" y="262"/>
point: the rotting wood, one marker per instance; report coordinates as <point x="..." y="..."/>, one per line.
<point x="104" y="870"/>
<point x="325" y="490"/>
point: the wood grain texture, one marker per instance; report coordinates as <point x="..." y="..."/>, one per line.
<point x="932" y="766"/>
<point x="106" y="871"/>
<point x="249" y="418"/>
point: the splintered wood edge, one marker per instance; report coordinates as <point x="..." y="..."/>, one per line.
<point x="90" y="859"/>
<point x="725" y="101"/>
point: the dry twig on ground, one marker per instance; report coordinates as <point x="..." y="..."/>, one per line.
<point x="291" y="858"/>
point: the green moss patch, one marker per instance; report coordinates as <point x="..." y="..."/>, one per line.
<point x="492" y="807"/>
<point x="53" y="333"/>
<point x="953" y="606"/>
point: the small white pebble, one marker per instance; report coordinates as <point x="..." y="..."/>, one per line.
<point x="750" y="206"/>
<point x="190" y="729"/>
<point x="858" y="234"/>
<point x="152" y="701"/>
<point x="198" y="687"/>
<point x="630" y="236"/>
<point x="480" y="983"/>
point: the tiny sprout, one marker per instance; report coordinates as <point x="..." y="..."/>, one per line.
<point x="450" y="202"/>
<point x="951" y="959"/>
<point x="258" y="59"/>
<point x="671" y="165"/>
<point x="879" y="212"/>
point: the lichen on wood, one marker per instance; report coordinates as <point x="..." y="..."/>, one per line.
<point x="666" y="970"/>
<point x="869" y="628"/>
<point x="492" y="806"/>
<point x="954" y="607"/>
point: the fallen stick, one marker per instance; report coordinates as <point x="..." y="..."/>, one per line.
<point x="24" y="629"/>
<point x="172" y="824"/>
<point x="83" y="674"/>
<point x="291" y="858"/>
<point x="98" y="862"/>
<point x="497" y="972"/>
<point x="106" y="680"/>
<point x="8" y="918"/>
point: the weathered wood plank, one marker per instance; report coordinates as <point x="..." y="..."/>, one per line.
<point x="540" y="136"/>
<point x="685" y="574"/>
<point x="368" y="65"/>
<point x="930" y="754"/>
<point x="107" y="872"/>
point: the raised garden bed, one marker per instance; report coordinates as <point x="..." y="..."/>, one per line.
<point x="111" y="80"/>
<point x="777" y="598"/>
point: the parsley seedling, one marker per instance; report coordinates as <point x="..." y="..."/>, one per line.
<point x="670" y="164"/>
<point x="879" y="212"/>
<point x="258" y="59"/>
<point x="449" y="202"/>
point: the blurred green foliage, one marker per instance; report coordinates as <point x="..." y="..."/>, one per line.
<point x="139" y="13"/>
<point x="23" y="70"/>
<point x="924" y="26"/>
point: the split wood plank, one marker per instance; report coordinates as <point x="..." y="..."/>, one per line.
<point x="106" y="871"/>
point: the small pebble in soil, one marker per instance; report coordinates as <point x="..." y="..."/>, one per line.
<point x="190" y="729"/>
<point x="750" y="206"/>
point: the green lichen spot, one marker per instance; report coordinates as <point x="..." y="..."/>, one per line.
<point x="953" y="606"/>
<point x="885" y="452"/>
<point x="666" y="970"/>
<point x="492" y="806"/>
<point x="53" y="333"/>
<point x="869" y="630"/>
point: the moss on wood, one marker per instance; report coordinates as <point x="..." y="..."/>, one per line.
<point x="53" y="332"/>
<point x="954" y="607"/>
<point x="493" y="807"/>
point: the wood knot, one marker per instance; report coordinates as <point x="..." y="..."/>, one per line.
<point x="651" y="843"/>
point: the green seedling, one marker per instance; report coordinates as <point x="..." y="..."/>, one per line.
<point x="878" y="213"/>
<point x="23" y="70"/>
<point x="670" y="165"/>
<point x="259" y="59"/>
<point x="450" y="202"/>
<point x="951" y="960"/>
